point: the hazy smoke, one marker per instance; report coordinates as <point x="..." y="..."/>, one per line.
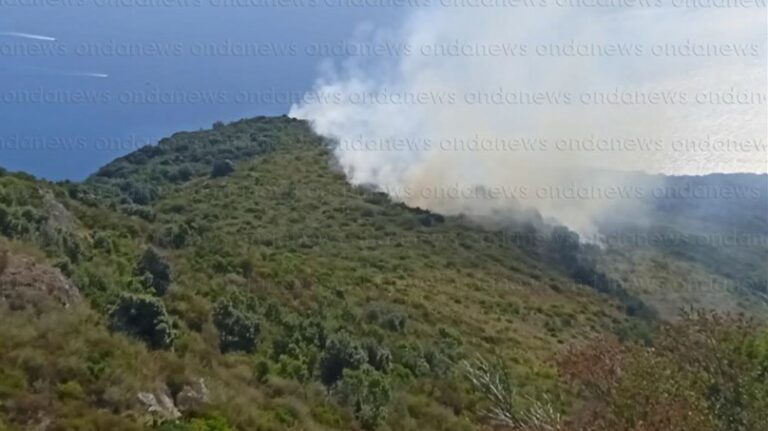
<point x="481" y="110"/>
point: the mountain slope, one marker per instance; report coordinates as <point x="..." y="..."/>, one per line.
<point x="241" y="256"/>
<point x="280" y="276"/>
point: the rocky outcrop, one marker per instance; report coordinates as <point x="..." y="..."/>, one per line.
<point x="27" y="282"/>
<point x="193" y="397"/>
<point x="159" y="405"/>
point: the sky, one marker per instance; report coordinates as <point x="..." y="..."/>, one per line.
<point x="85" y="81"/>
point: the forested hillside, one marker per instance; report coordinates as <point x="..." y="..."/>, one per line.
<point x="231" y="279"/>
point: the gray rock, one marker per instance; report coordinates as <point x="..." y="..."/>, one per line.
<point x="28" y="282"/>
<point x="193" y="397"/>
<point x="159" y="405"/>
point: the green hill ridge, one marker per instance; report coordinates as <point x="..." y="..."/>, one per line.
<point x="232" y="279"/>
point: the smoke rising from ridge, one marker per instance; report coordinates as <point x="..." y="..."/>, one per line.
<point x="488" y="110"/>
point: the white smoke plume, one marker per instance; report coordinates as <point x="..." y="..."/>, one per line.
<point x="488" y="109"/>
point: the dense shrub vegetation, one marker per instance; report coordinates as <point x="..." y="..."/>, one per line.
<point x="145" y="318"/>
<point x="704" y="372"/>
<point x="233" y="280"/>
<point x="238" y="330"/>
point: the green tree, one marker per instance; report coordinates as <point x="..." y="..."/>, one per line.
<point x="222" y="168"/>
<point x="155" y="271"/>
<point x="341" y="352"/>
<point x="238" y="329"/>
<point x="368" y="393"/>
<point x="378" y="356"/>
<point x="143" y="317"/>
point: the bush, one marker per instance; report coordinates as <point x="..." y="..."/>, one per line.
<point x="143" y="317"/>
<point x="154" y="271"/>
<point x="387" y="317"/>
<point x="70" y="391"/>
<point x="222" y="168"/>
<point x="294" y="369"/>
<point x="411" y="356"/>
<point x="378" y="357"/>
<point x="261" y="371"/>
<point x="238" y="330"/>
<point x="182" y="174"/>
<point x="340" y="353"/>
<point x="702" y="373"/>
<point x="20" y="221"/>
<point x="367" y="392"/>
<point x="142" y="212"/>
<point x="175" y="236"/>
